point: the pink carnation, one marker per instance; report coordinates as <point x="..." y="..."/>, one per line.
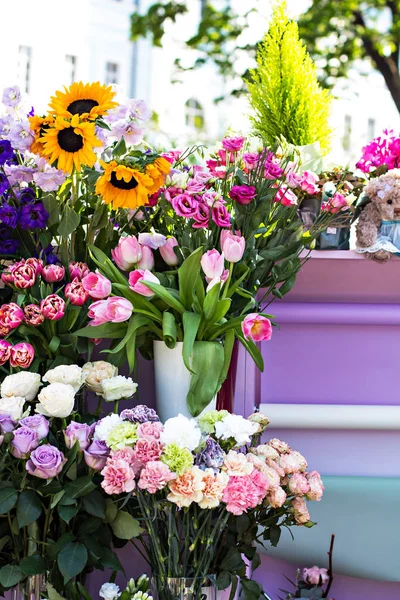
<point x="128" y="455"/>
<point x="147" y="450"/>
<point x="155" y="476"/>
<point x="293" y="462"/>
<point x="240" y="494"/>
<point x="317" y="489"/>
<point x="299" y="485"/>
<point x="150" y="430"/>
<point x="118" y="477"/>
<point x="277" y="497"/>
<point x="301" y="513"/>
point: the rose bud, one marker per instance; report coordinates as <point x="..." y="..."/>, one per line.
<point x="22" y="355"/>
<point x="78" y="270"/>
<point x="96" y="285"/>
<point x="53" y="307"/>
<point x="33" y="315"/>
<point x="167" y="252"/>
<point x="53" y="273"/>
<point x="5" y="351"/>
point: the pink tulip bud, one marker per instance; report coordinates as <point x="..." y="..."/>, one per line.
<point x="167" y="252"/>
<point x="137" y="277"/>
<point x="53" y="273"/>
<point x="11" y="316"/>
<point x="97" y="285"/>
<point x="232" y="245"/>
<point x="22" y="355"/>
<point x="147" y="260"/>
<point x="53" y="307"/>
<point x="24" y="276"/>
<point x="256" y="327"/>
<point x="76" y="293"/>
<point x="212" y="263"/>
<point x="315" y="576"/>
<point x="33" y="315"/>
<point x="7" y="277"/>
<point x="128" y="253"/>
<point x="115" y="309"/>
<point x="78" y="270"/>
<point x="5" y="351"/>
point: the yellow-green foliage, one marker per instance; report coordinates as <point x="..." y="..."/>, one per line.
<point x="284" y="92"/>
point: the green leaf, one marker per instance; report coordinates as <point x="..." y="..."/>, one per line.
<point x="210" y="302"/>
<point x="125" y="526"/>
<point x="169" y="329"/>
<point x="8" y="498"/>
<point x="100" y="217"/>
<point x="107" y="330"/>
<point x="51" y="205"/>
<point x="80" y="487"/>
<point x="69" y="222"/>
<point x="233" y="561"/>
<point x="165" y="295"/>
<point x="252" y="350"/>
<point x="234" y="286"/>
<point x="56" y="499"/>
<point x="10" y="575"/>
<point x="67" y="512"/>
<point x="272" y="253"/>
<point x="72" y="560"/>
<point x="187" y="276"/>
<point x="106" y="266"/>
<point x="52" y="593"/>
<point x="90" y="525"/>
<point x="110" y="560"/>
<point x="29" y="508"/>
<point x="140" y="303"/>
<point x="274" y="534"/>
<point x="111" y="511"/>
<point x="287" y="286"/>
<point x="83" y="592"/>
<point x="191" y="322"/>
<point x="54" y="344"/>
<point x="252" y="590"/>
<point x="33" y="565"/>
<point x="95" y="504"/>
<point x="223" y="580"/>
<point x="207" y="365"/>
<point x="119" y="149"/>
<point x="135" y="322"/>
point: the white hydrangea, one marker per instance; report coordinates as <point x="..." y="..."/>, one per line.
<point x="236" y="427"/>
<point x="68" y="374"/>
<point x="105" y="426"/>
<point x="117" y="388"/>
<point x="181" y="431"/>
<point x="109" y="591"/>
<point x="22" y="384"/>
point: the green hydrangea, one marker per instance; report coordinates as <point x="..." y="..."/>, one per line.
<point x="122" y="435"/>
<point x="207" y="420"/>
<point x="177" y="459"/>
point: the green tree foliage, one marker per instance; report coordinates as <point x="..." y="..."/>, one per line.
<point x="284" y="92"/>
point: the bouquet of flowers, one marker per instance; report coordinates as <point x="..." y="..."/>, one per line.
<point x="206" y="491"/>
<point x="381" y="154"/>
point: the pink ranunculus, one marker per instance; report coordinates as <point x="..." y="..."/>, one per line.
<point x="309" y="182"/>
<point x="24" y="276"/>
<point x="153" y="240"/>
<point x="119" y="477"/>
<point x="33" y="315"/>
<point x="96" y="455"/>
<point x="167" y="252"/>
<point x="213" y="263"/>
<point x="53" y="307"/>
<point x="76" y="293"/>
<point x="317" y="489"/>
<point x="78" y="270"/>
<point x="184" y="205"/>
<point x="11" y="316"/>
<point x="220" y="215"/>
<point x="147" y="450"/>
<point x="147" y="260"/>
<point x="24" y="441"/>
<point x="257" y="328"/>
<point x="96" y="285"/>
<point x="118" y="309"/>
<point x="5" y="351"/>
<point x="298" y="484"/>
<point x="315" y="576"/>
<point x="128" y="253"/>
<point x="137" y="281"/>
<point x="232" y="246"/>
<point x="22" y="355"/>
<point x="294" y="462"/>
<point x="233" y="144"/>
<point x="285" y="196"/>
<point x="45" y="462"/>
<point x="155" y="476"/>
<point x="277" y="497"/>
<point x="53" y="273"/>
<point x="293" y="179"/>
<point x="243" y="194"/>
<point x="150" y="430"/>
<point x="301" y="513"/>
<point x="250" y="160"/>
<point x="202" y="216"/>
<point x="240" y="494"/>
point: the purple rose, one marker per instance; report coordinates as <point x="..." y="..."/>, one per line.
<point x="140" y="414"/>
<point x="37" y="423"/>
<point x="45" y="462"/>
<point x="24" y="441"/>
<point x="96" y="455"/>
<point x="77" y="432"/>
<point x="7" y="424"/>
<point x="212" y="457"/>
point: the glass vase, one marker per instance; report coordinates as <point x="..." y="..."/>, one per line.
<point x="29" y="589"/>
<point x="182" y="588"/>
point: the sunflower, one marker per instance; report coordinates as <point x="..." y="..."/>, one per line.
<point x="157" y="171"/>
<point x="122" y="186"/>
<point x="39" y="126"/>
<point x="88" y="100"/>
<point x="70" y="143"/>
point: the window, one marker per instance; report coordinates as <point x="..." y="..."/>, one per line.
<point x="24" y="67"/>
<point x="112" y="72"/>
<point x="347" y="132"/>
<point x="371" y="129"/>
<point x="70" y="68"/>
<point x="194" y="114"/>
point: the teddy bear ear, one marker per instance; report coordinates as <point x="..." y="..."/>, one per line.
<point x="373" y="188"/>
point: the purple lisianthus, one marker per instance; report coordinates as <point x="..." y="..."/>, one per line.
<point x="33" y="216"/>
<point x="21" y="135"/>
<point x="9" y="215"/>
<point x="19" y="174"/>
<point x="96" y="455"/>
<point x="26" y="196"/>
<point x="45" y="462"/>
<point x="37" y="423"/>
<point x="77" y="432"/>
<point x="140" y="414"/>
<point x="5" y="126"/>
<point x="7" y="424"/>
<point x="212" y="457"/>
<point x="4" y="184"/>
<point x="6" y="151"/>
<point x="129" y="130"/>
<point x="24" y="441"/>
<point x="49" y="180"/>
<point x="11" y="96"/>
<point x="9" y="246"/>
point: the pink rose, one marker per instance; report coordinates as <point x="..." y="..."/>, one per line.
<point x="202" y="216"/>
<point x="285" y="196"/>
<point x="167" y="252"/>
<point x="309" y="182"/>
<point x="96" y="285"/>
<point x="118" y="476"/>
<point x="53" y="273"/>
<point x="277" y="497"/>
<point x="315" y="576"/>
<point x="137" y="280"/>
<point x="53" y="307"/>
<point x="24" y="276"/>
<point x="212" y="263"/>
<point x="220" y="215"/>
<point x="301" y="513"/>
<point x="257" y="328"/>
<point x="33" y="315"/>
<point x="22" y="355"/>
<point x="184" y="205"/>
<point x="147" y="260"/>
<point x="147" y="450"/>
<point x="78" y="270"/>
<point x="11" y="316"/>
<point x="155" y="476"/>
<point x="5" y="351"/>
<point x="298" y="484"/>
<point x="317" y="489"/>
<point x="243" y="194"/>
<point x="232" y="246"/>
<point x="150" y="430"/>
<point x="233" y="144"/>
<point x="128" y="253"/>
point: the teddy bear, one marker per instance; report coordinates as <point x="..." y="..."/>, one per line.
<point x="378" y="227"/>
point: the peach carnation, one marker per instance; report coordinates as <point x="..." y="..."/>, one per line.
<point x="293" y="462"/>
<point x="187" y="488"/>
<point x="317" y="489"/>
<point x="236" y="464"/>
<point x="277" y="497"/>
<point x="298" y="484"/>
<point x="214" y="485"/>
<point x="301" y="513"/>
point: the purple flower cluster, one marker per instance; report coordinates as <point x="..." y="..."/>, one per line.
<point x="212" y="457"/>
<point x="140" y="414"/>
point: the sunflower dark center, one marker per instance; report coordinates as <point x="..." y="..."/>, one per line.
<point x="79" y="107"/>
<point x="69" y="141"/>
<point x="121" y="184"/>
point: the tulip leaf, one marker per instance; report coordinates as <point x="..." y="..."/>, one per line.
<point x="252" y="350"/>
<point x="29" y="508"/>
<point x="207" y="365"/>
<point x="165" y="295"/>
<point x="106" y="266"/>
<point x="191" y="322"/>
<point x="211" y="301"/>
<point x="169" y="329"/>
<point x="8" y="499"/>
<point x="228" y="349"/>
<point x="136" y="321"/>
<point x="140" y="303"/>
<point x="106" y="330"/>
<point x="188" y="273"/>
<point x="69" y="222"/>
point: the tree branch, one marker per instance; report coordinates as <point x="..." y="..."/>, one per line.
<point x="330" y="568"/>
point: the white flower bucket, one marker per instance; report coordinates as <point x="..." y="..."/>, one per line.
<point x="172" y="381"/>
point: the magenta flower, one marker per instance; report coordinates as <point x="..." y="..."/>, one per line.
<point x="22" y="355"/>
<point x="78" y="270"/>
<point x="202" y="216"/>
<point x="233" y="144"/>
<point x="243" y="194"/>
<point x="137" y="281"/>
<point x="45" y="462"/>
<point x="233" y="246"/>
<point x="24" y="276"/>
<point x="285" y="196"/>
<point x="184" y="205"/>
<point x="33" y="315"/>
<point x="11" y="315"/>
<point x="53" y="307"/>
<point x="250" y="160"/>
<point x="220" y="215"/>
<point x="53" y="273"/>
<point x="257" y="328"/>
<point x="24" y="441"/>
<point x="167" y="252"/>
<point x="96" y="285"/>
<point x="309" y="182"/>
<point x="128" y="253"/>
<point x="5" y="351"/>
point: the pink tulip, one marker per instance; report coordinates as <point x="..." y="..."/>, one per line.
<point x="137" y="277"/>
<point x="36" y="263"/>
<point x="232" y="245"/>
<point x="11" y="315"/>
<point x="5" y="351"/>
<point x="212" y="263"/>
<point x="24" y="276"/>
<point x="33" y="315"/>
<point x="118" y="309"/>
<point x="128" y="253"/>
<point x="53" y="273"/>
<point x="257" y="328"/>
<point x="309" y="182"/>
<point x="96" y="285"/>
<point x="147" y="260"/>
<point x="7" y="276"/>
<point x="22" y="355"/>
<point x="98" y="313"/>
<point x="167" y="252"/>
<point x="53" y="307"/>
<point x="78" y="270"/>
<point x="76" y="293"/>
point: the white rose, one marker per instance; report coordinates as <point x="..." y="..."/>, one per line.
<point x="105" y="426"/>
<point x="68" y="374"/>
<point x="95" y="372"/>
<point x="56" y="400"/>
<point x="22" y="384"/>
<point x="12" y="406"/>
<point x="109" y="591"/>
<point x="181" y="431"/>
<point x="117" y="387"/>
<point x="236" y="427"/>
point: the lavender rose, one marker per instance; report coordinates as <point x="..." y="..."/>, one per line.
<point x="24" y="441"/>
<point x="211" y="457"/>
<point x="96" y="455"/>
<point x="37" y="423"/>
<point x="7" y="424"/>
<point x="77" y="432"/>
<point x="139" y="414"/>
<point x="45" y="462"/>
